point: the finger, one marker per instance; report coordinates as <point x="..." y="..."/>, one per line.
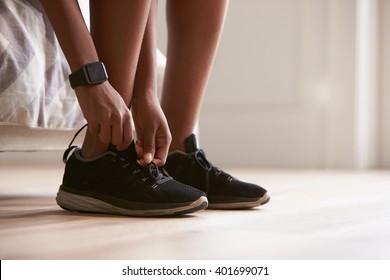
<point x="158" y="162"/>
<point x="105" y="133"/>
<point x="148" y="157"/>
<point x="145" y="150"/>
<point x="149" y="149"/>
<point x="127" y="134"/>
<point x="139" y="151"/>
<point x="161" y="153"/>
<point x="117" y="134"/>
<point x="163" y="143"/>
<point x="160" y="157"/>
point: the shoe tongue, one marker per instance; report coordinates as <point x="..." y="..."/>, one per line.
<point x="128" y="153"/>
<point x="191" y="144"/>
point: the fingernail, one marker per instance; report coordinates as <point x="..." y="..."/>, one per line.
<point x="148" y="158"/>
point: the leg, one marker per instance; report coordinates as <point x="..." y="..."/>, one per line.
<point x="114" y="182"/>
<point x="117" y="29"/>
<point x="194" y="29"/>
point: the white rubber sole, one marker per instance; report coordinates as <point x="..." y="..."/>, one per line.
<point x="81" y="203"/>
<point x="242" y="204"/>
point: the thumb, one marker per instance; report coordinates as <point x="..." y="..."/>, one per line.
<point x="148" y="158"/>
<point x="149" y="149"/>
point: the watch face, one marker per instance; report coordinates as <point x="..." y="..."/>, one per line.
<point x="96" y="73"/>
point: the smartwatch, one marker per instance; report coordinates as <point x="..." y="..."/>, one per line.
<point x="89" y="74"/>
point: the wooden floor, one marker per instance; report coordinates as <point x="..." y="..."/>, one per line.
<point x="311" y="215"/>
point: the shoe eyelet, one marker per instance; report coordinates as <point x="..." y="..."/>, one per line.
<point x="202" y="161"/>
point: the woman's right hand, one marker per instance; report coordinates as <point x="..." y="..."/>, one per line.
<point x="107" y="115"/>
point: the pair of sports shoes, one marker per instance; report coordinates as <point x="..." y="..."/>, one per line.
<point x="114" y="183"/>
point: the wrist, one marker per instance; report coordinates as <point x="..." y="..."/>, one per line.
<point x="145" y="94"/>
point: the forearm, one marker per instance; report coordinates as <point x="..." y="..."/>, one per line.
<point x="146" y="75"/>
<point x="72" y="33"/>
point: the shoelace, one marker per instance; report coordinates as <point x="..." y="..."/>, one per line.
<point x="143" y="173"/>
<point x="201" y="160"/>
<point x="70" y="147"/>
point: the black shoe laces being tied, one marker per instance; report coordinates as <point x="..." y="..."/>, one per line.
<point x="151" y="169"/>
<point x="70" y="147"/>
<point x="143" y="173"/>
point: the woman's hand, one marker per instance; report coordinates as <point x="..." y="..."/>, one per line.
<point x="107" y="115"/>
<point x="153" y="136"/>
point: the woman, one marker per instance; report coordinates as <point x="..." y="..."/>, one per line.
<point x="110" y="173"/>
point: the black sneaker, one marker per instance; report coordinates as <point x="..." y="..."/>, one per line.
<point x="117" y="184"/>
<point x="223" y="191"/>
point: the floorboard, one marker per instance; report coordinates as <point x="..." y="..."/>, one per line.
<point x="313" y="214"/>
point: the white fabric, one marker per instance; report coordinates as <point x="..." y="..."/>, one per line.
<point x="34" y="90"/>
